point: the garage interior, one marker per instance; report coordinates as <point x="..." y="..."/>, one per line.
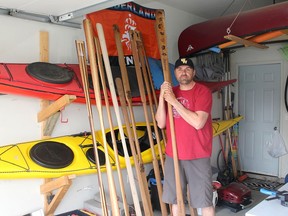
<point x="54" y="32"/>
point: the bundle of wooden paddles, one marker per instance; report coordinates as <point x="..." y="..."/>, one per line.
<point x="100" y="68"/>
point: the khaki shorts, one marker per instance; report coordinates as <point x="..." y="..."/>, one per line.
<point x="194" y="174"/>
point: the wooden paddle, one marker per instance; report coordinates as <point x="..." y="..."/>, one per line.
<point x="84" y="75"/>
<point x="155" y="163"/>
<point x="134" y="142"/>
<point x="155" y="99"/>
<point x="162" y="43"/>
<point x="113" y="136"/>
<point x="142" y="181"/>
<point x="118" y="117"/>
<point x="96" y="85"/>
<point x="142" y="55"/>
<point x="127" y="90"/>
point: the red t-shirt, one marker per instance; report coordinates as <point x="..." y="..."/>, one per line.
<point x="191" y="143"/>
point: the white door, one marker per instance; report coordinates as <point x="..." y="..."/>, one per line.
<point x="259" y="103"/>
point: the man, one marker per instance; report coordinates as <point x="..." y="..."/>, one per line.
<point x="191" y="104"/>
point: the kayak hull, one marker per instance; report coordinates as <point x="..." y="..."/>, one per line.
<point x="16" y="160"/>
<point x="208" y="34"/>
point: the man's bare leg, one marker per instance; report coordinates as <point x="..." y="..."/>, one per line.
<point x="208" y="211"/>
<point x="174" y="210"/>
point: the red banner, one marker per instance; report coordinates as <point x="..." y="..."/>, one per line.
<point x="128" y="16"/>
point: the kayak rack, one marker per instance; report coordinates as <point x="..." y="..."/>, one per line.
<point x="51" y="112"/>
<point x="48" y="115"/>
<point x="61" y="184"/>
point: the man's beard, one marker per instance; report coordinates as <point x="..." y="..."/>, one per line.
<point x="185" y="80"/>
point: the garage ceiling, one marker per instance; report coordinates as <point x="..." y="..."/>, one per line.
<point x="52" y="9"/>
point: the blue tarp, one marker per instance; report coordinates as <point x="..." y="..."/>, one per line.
<point x="157" y="72"/>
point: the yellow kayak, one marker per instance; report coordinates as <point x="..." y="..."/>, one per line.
<point x="143" y="139"/>
<point x="74" y="154"/>
<point x="65" y="155"/>
<point x="221" y="126"/>
<point x="49" y="158"/>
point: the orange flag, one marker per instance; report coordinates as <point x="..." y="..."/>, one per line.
<point x="128" y="16"/>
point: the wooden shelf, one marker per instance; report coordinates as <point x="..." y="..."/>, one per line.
<point x="62" y="185"/>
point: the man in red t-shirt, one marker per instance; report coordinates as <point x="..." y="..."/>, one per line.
<point x="191" y="104"/>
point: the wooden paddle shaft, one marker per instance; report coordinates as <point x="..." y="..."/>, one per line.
<point x="113" y="136"/>
<point x="147" y="84"/>
<point x="142" y="181"/>
<point x="143" y="190"/>
<point x="126" y="84"/>
<point x="83" y="69"/>
<point x="143" y="99"/>
<point x="118" y="117"/>
<point x="150" y="83"/>
<point x="162" y="42"/>
<point x="95" y="80"/>
<point x="153" y="91"/>
<point x="122" y="64"/>
<point x="139" y="166"/>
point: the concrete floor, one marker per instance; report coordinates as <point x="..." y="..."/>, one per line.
<point x="225" y="211"/>
<point x="256" y="198"/>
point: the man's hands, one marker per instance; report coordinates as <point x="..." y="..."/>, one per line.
<point x="167" y="93"/>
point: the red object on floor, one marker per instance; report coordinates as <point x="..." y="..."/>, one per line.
<point x="236" y="193"/>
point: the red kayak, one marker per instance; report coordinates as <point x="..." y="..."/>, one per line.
<point x="15" y="80"/>
<point x="215" y="86"/>
<point x="269" y="22"/>
<point x="50" y="81"/>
